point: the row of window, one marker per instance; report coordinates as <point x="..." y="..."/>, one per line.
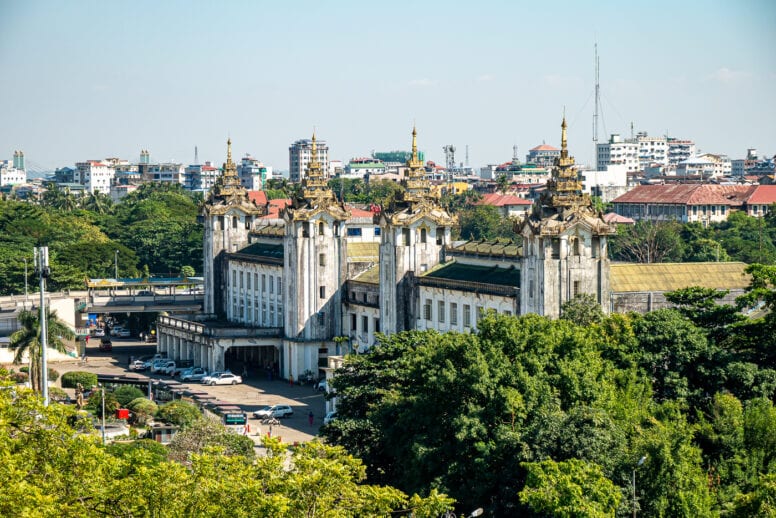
<point x="269" y="283"/>
<point x="264" y="314"/>
<point x="443" y="310"/>
<point x="364" y="329"/>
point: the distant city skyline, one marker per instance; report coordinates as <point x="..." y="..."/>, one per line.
<point x="89" y="80"/>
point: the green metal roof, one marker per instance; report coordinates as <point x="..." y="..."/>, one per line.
<point x="263" y="250"/>
<point x="473" y="273"/>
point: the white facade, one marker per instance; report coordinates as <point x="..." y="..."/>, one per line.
<point x="299" y="158"/>
<point x="10" y="175"/>
<point x="615" y="175"/>
<point x="95" y="176"/>
<point x="166" y="173"/>
<point x="452" y="310"/>
<point x="680" y="150"/>
<point x="721" y="164"/>
<point x="254" y="294"/>
<point x="618" y="152"/>
<point x="201" y="177"/>
<point x="652" y="150"/>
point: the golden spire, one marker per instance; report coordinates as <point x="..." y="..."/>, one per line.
<point x="229" y="150"/>
<point x="564" y="151"/>
<point x="414" y="144"/>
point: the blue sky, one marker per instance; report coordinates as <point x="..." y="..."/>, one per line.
<point x="86" y="80"/>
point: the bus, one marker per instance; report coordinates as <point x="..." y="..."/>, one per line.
<point x="227" y="414"/>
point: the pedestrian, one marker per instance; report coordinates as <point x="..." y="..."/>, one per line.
<point x="245" y="372"/>
<point x="311" y="418"/>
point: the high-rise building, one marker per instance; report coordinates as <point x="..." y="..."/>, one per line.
<point x="95" y="176"/>
<point x="299" y="154"/>
<point x="680" y="150"/>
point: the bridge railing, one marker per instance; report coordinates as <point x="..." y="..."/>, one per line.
<point x="219" y="330"/>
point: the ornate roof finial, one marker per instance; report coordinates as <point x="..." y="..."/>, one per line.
<point x="414" y="143"/>
<point x="564" y="150"/>
<point x="229" y="150"/>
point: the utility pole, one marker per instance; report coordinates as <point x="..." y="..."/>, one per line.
<point x="102" y="391"/>
<point x="41" y="262"/>
<point x="116" y="264"/>
<point x="26" y="296"/>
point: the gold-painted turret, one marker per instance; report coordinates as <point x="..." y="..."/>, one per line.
<point x="564" y="189"/>
<point x="228" y="184"/>
<point x="314" y="186"/>
<point x="417" y="185"/>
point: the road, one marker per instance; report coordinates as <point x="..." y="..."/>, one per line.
<point x="251" y="395"/>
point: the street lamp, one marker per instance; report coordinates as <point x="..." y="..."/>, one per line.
<point x="25" y="279"/>
<point x="102" y="393"/>
<point x="641" y="461"/>
<point x="116" y="264"/>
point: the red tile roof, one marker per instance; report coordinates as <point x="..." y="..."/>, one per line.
<point x="280" y="203"/>
<point x="359" y="213"/>
<point x="688" y="194"/>
<point x="544" y="147"/>
<point x="613" y="217"/>
<point x="763" y="195"/>
<point x="500" y="200"/>
<point x="258" y="197"/>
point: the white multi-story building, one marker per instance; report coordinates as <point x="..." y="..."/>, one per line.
<point x="680" y="150"/>
<point x="166" y="173"/>
<point x="618" y="151"/>
<point x="95" y="176"/>
<point x="13" y="173"/>
<point x="253" y="174"/>
<point x="652" y="150"/>
<point x="299" y="154"/>
<point x="362" y="167"/>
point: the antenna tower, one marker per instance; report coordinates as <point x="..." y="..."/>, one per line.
<point x="597" y="97"/>
<point x="196" y="156"/>
<point x="467" y="155"/>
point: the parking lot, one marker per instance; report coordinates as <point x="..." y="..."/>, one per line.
<point x="255" y="391"/>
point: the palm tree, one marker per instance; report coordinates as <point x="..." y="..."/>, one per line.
<point x="27" y="340"/>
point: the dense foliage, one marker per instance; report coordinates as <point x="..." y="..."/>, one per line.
<point x="154" y="227"/>
<point x="534" y="417"/>
<point x="48" y="470"/>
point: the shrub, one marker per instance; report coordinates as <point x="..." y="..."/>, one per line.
<point x="141" y="409"/>
<point x="58" y="395"/>
<point x="72" y="379"/>
<point x="53" y="375"/>
<point x="19" y="377"/>
<point x="25" y="369"/>
<point x="127" y="393"/>
<point x="155" y="452"/>
<point x="179" y="413"/>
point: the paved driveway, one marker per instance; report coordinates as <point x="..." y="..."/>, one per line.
<point x="251" y="395"/>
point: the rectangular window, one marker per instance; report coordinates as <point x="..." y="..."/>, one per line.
<point x="440" y="235"/>
<point x="427" y="309"/>
<point x="280" y="286"/>
<point x="467" y="315"/>
<point x="321" y="259"/>
<point x="321" y="318"/>
<point x="377" y="231"/>
<point x="353" y="326"/>
<point x="255" y="281"/>
<point x="241" y="279"/>
<point x="271" y="314"/>
<point x="405" y="232"/>
<point x="271" y="285"/>
<point x="453" y="313"/>
<point x="264" y="313"/>
<point x="365" y="324"/>
<point x="423" y="235"/>
<point x="441" y="311"/>
<point x="576" y="289"/>
<point x="322" y="292"/>
<point x="480" y="312"/>
<point x="263" y="283"/>
<point x="377" y="325"/>
<point x="354" y="232"/>
<point x="234" y="278"/>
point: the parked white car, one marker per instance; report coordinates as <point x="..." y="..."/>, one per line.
<point x="161" y="366"/>
<point x="277" y="411"/>
<point x="225" y="378"/>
